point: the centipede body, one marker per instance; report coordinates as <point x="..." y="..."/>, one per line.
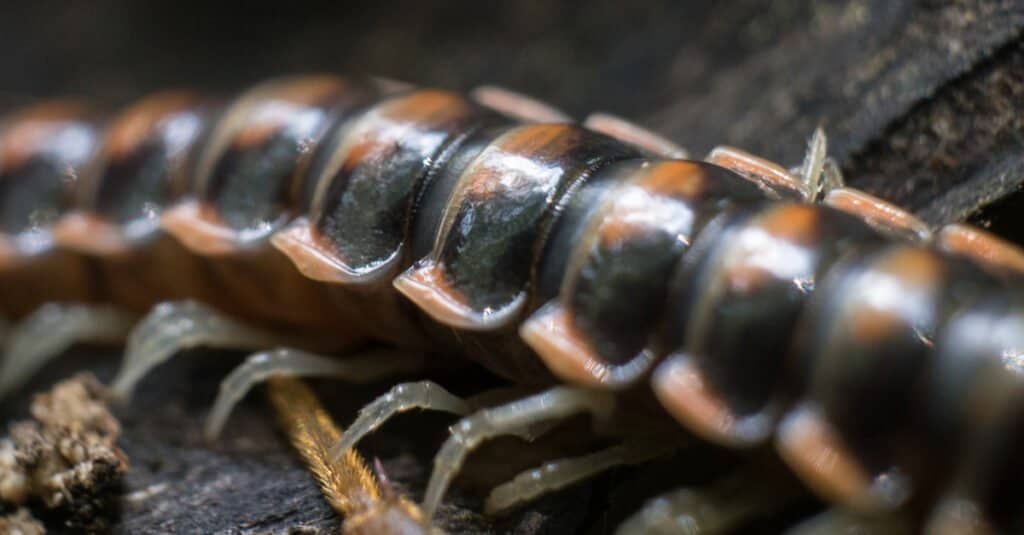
<point x="359" y="212"/>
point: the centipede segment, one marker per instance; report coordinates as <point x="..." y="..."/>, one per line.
<point x="312" y="219"/>
<point x="44" y="152"/>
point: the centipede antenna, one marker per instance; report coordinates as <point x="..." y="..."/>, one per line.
<point x="349" y="485"/>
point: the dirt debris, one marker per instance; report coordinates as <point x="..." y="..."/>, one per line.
<point x="65" y="459"/>
<point x="21" y="522"/>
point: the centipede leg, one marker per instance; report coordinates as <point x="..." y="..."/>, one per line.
<point x="880" y="214"/>
<point x="518" y="417"/>
<point x="831" y="176"/>
<point x="175" y="326"/>
<point x="811" y="172"/>
<point x="819" y="171"/>
<point x="720" y="507"/>
<point x="562" y="473"/>
<point x="635" y="135"/>
<point x="286" y="362"/>
<point x="955" y="514"/>
<point x="762" y="172"/>
<point x="424" y="395"/>
<point x="518" y="106"/>
<point x="50" y="331"/>
<point x="840" y="521"/>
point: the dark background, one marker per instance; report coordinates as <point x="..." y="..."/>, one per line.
<point x="758" y="74"/>
<point x="921" y="101"/>
<point x="581" y="55"/>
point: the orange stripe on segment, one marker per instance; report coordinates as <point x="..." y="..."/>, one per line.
<point x="377" y="134"/>
<point x="981" y="247"/>
<point x="518" y="106"/>
<point x="871" y="325"/>
<point x="682" y="390"/>
<point x="427" y="106"/>
<point x="27" y="131"/>
<point x="256" y="132"/>
<point x="646" y="194"/>
<point x="797" y="223"/>
<point x="134" y="125"/>
<point x="269" y="107"/>
<point x="814" y="450"/>
<point x="757" y="169"/>
<point x="616" y="225"/>
<point x="540" y="144"/>
<point x="312" y="90"/>
<point x="915" y="268"/>
<point x="428" y="288"/>
<point x="196" y="226"/>
<point x="876" y="211"/>
<point x="563" y="349"/>
<point x="633" y="134"/>
<point x="89" y="234"/>
<point x="298" y="241"/>
<point x="568" y="354"/>
<point x="922" y="267"/>
<point x="674" y="178"/>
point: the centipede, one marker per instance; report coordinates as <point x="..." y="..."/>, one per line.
<point x="595" y="264"/>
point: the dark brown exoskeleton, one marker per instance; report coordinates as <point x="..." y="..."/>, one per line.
<point x="329" y="214"/>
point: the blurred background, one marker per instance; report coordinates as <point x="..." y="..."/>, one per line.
<point x="581" y="55"/>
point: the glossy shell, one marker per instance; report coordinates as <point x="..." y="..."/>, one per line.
<point x="357" y="213"/>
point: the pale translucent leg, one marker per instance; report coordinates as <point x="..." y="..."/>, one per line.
<point x="831" y="177"/>
<point x="814" y="163"/>
<point x="819" y="171"/>
<point x="955" y="514"/>
<point x="562" y="473"/>
<point x="175" y="326"/>
<point x="259" y="367"/>
<point x="424" y="395"/>
<point x="718" y="508"/>
<point x="839" y="521"/>
<point x="50" y="331"/>
<point x="512" y="418"/>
